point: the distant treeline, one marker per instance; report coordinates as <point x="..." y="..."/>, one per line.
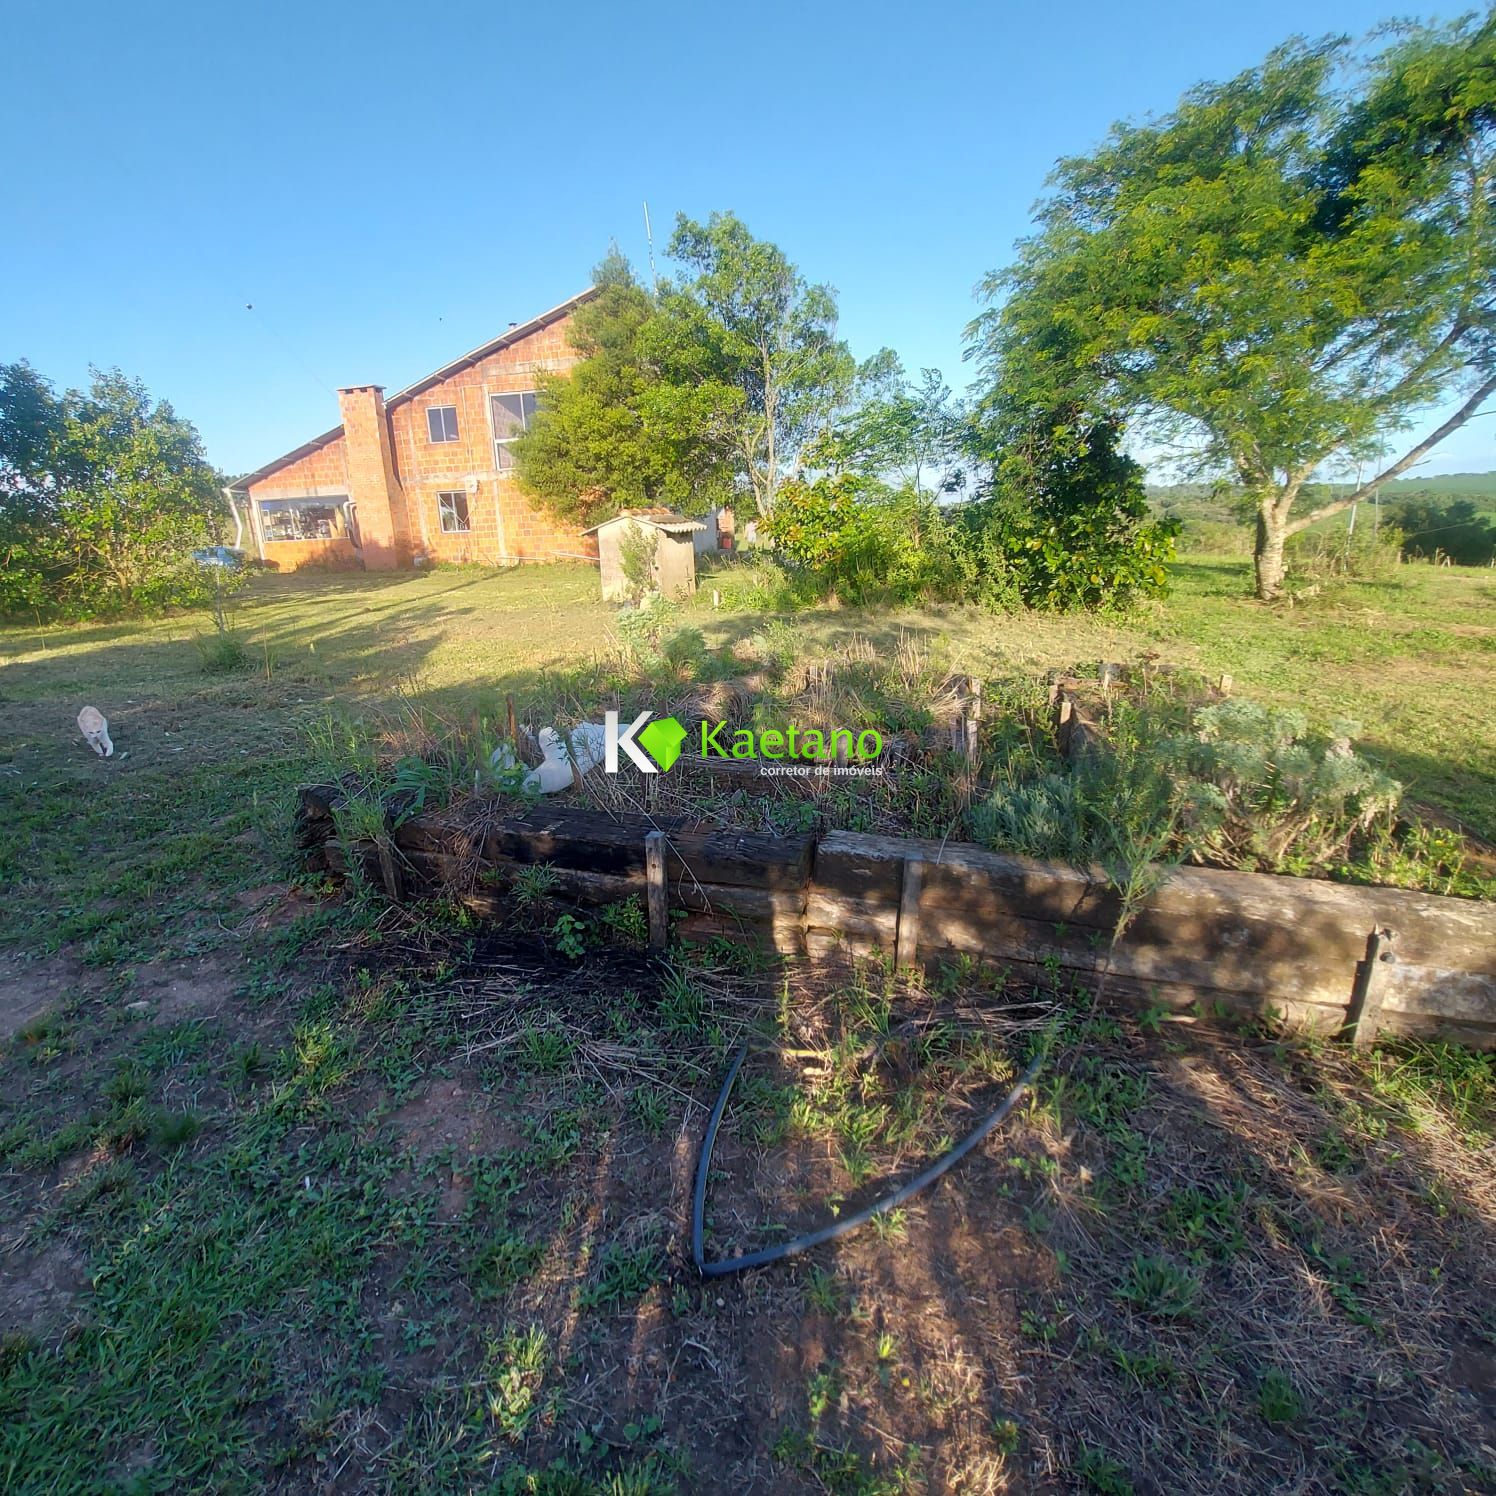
<point x="1449" y="517"/>
<point x="1477" y="486"/>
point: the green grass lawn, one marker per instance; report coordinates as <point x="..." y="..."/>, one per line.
<point x="296" y="1194"/>
<point x="126" y="854"/>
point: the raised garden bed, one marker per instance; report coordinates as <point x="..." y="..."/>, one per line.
<point x="1316" y="954"/>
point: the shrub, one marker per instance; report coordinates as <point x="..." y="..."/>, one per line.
<point x="1257" y="790"/>
<point x="1065" y="516"/>
<point x="636" y="557"/>
<point x="1367" y="554"/>
<point x="1246" y="787"/>
<point x="223" y="652"/>
<point x="106" y="496"/>
<point x="1069" y="528"/>
<point x="1431" y="530"/>
<point x="865" y="542"/>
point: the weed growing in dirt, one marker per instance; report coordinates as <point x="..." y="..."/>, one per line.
<point x="1099" y="1472"/>
<point x="1278" y="1399"/>
<point x="1159" y="1289"/>
<point x="623" y="1274"/>
<point x="517" y="1365"/>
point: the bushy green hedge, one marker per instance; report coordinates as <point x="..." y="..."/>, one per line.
<point x="853" y="537"/>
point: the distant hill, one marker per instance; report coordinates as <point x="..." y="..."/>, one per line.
<point x="1446" y="485"/>
<point x="1214" y="518"/>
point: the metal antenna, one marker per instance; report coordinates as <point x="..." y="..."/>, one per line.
<point x="654" y="279"/>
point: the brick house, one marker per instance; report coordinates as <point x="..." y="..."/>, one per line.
<point x="426" y="473"/>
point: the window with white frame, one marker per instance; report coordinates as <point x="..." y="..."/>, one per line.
<point x="441" y="423"/>
<point x="453" y="509"/>
<point x="512" y="415"/>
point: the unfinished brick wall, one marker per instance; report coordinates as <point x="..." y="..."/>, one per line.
<point x="384" y="531"/>
<point x="322" y="474"/>
<point x="385" y="461"/>
<point x="503" y="525"/>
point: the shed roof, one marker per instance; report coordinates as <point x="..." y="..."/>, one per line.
<point x="657" y="518"/>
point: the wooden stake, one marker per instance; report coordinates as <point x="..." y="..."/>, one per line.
<point x="654" y="876"/>
<point x="1226" y="684"/>
<point x="906" y="940"/>
<point x="1364" y="1017"/>
<point x="511" y="723"/>
<point x="389" y="871"/>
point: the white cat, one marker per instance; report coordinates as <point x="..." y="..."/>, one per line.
<point x="94" y="726"/>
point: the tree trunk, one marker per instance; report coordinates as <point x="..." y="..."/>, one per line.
<point x="1272" y="535"/>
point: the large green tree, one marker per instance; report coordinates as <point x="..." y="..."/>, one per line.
<point x="1062" y="509"/>
<point x="1280" y="275"/>
<point x="103" y="497"/>
<point x="742" y="316"/>
<point x="627" y="427"/>
<point x="905" y="432"/>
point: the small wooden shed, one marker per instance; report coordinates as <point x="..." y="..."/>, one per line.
<point x="670" y="538"/>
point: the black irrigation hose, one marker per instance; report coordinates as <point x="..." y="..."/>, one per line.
<point x="766" y="1255"/>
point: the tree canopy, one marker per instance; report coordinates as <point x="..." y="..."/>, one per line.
<point x="1285" y="270"/>
<point x="756" y="325"/>
<point x="701" y="388"/>
<point x="905" y="432"/>
<point x="103" y="497"/>
<point x="628" y="427"/>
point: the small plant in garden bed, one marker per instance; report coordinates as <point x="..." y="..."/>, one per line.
<point x="1226" y="784"/>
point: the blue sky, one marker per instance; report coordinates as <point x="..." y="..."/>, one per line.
<point x="389" y="185"/>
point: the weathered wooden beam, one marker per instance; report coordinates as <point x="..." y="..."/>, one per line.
<point x="1077" y="730"/>
<point x="594" y="841"/>
<point x="971" y="725"/>
<point x="1254" y="942"/>
<point x="1460" y="996"/>
<point x="615" y="844"/>
<point x="786" y="937"/>
<point x="389" y="870"/>
<point x="1246" y="918"/>
<point x="585" y="887"/>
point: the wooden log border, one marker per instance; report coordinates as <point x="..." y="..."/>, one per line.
<point x="1327" y="956"/>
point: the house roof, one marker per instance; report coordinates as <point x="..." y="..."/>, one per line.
<point x="494" y="345"/>
<point x="657" y="518"/>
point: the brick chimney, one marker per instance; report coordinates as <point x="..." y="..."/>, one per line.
<point x="374" y="487"/>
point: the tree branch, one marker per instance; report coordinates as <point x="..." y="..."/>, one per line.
<point x="1404" y="462"/>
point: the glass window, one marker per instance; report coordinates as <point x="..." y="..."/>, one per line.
<point x="302" y="519"/>
<point x="512" y="415"/>
<point x="441" y="423"/>
<point x="453" y="508"/>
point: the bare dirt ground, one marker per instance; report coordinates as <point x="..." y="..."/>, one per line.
<point x="30" y="985"/>
<point x="1197" y="1260"/>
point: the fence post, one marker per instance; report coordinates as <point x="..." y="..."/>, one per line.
<point x="906" y="936"/>
<point x="654" y="874"/>
<point x="1365" y="1014"/>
